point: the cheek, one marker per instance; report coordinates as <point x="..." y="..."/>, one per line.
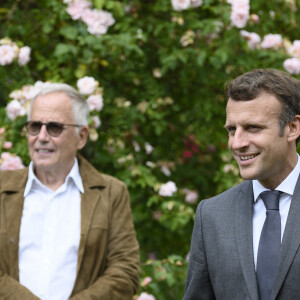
<point x="30" y="141"/>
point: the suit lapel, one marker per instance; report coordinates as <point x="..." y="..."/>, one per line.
<point x="244" y="236"/>
<point x="290" y="241"/>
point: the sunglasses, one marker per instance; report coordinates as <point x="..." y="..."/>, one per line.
<point x="54" y="129"/>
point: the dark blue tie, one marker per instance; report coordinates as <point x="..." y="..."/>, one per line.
<point x="269" y="245"/>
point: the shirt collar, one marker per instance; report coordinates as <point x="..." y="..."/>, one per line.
<point x="287" y="186"/>
<point x="73" y="174"/>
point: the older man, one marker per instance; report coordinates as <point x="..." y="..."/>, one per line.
<point x="246" y="241"/>
<point x="66" y="230"/>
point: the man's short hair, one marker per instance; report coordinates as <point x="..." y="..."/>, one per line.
<point x="79" y="105"/>
<point x="280" y="84"/>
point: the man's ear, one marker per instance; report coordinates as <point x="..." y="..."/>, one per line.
<point x="82" y="137"/>
<point x="294" y="129"/>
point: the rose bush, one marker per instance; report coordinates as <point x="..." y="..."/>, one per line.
<point x="153" y="73"/>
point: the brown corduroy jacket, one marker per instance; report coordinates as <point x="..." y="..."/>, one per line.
<point x="108" y="254"/>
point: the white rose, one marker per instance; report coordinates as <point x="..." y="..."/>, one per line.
<point x="14" y="109"/>
<point x="294" y="50"/>
<point x="96" y="121"/>
<point x="7" y="54"/>
<point x="181" y="4"/>
<point x="148" y="148"/>
<point x="167" y="189"/>
<point x="95" y="102"/>
<point x="86" y="85"/>
<point x="24" y="56"/>
<point x="271" y="41"/>
<point x="292" y="65"/>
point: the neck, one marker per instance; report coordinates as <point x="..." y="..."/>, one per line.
<point x="52" y="179"/>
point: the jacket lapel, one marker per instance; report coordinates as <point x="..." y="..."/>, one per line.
<point x="290" y="241"/>
<point x="244" y="236"/>
<point x="92" y="182"/>
<point x="13" y="186"/>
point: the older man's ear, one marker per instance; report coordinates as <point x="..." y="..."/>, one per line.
<point x="82" y="137"/>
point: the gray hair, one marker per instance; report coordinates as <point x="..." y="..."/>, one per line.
<point x="79" y="105"/>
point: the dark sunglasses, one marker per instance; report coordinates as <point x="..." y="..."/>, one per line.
<point x="53" y="128"/>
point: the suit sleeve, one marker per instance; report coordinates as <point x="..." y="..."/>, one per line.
<point x="10" y="289"/>
<point x="120" y="279"/>
<point x="198" y="283"/>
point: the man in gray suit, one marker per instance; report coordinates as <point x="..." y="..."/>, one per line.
<point x="245" y="242"/>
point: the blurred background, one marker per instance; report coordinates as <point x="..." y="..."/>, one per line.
<point x="154" y="75"/>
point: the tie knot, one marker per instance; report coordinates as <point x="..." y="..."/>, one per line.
<point x="271" y="199"/>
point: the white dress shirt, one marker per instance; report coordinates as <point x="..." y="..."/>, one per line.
<point x="259" y="209"/>
<point x="50" y="235"/>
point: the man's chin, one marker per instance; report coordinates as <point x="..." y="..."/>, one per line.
<point x="246" y="175"/>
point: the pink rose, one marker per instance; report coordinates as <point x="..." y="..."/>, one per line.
<point x="97" y="29"/>
<point x="167" y="189"/>
<point x="24" y="55"/>
<point x="240" y="4"/>
<point x="75" y="9"/>
<point x="10" y="162"/>
<point x="14" y="109"/>
<point x="98" y="21"/>
<point x="7" y="145"/>
<point x="253" y="39"/>
<point x="145" y="296"/>
<point x="271" y="41"/>
<point x="86" y="85"/>
<point x="7" y="54"/>
<point x="292" y="65"/>
<point x="95" y="102"/>
<point x="181" y="4"/>
<point x="294" y="50"/>
<point x="190" y="196"/>
<point x="239" y="18"/>
<point x="254" y="18"/>
<point x="146" y="281"/>
<point x="89" y="16"/>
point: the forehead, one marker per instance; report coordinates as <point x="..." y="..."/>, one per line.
<point x="265" y="107"/>
<point x="52" y="106"/>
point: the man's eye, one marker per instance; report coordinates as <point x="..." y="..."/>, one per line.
<point x="254" y="127"/>
<point x="231" y="129"/>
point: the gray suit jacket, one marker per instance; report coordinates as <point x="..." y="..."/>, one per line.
<point x="221" y="263"/>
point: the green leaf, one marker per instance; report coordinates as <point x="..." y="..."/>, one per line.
<point x="99" y="3"/>
<point x="69" y="32"/>
<point x="62" y="49"/>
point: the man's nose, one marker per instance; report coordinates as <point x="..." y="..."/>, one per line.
<point x="43" y="134"/>
<point x="239" y="140"/>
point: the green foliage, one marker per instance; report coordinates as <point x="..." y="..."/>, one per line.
<point x="163" y="74"/>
